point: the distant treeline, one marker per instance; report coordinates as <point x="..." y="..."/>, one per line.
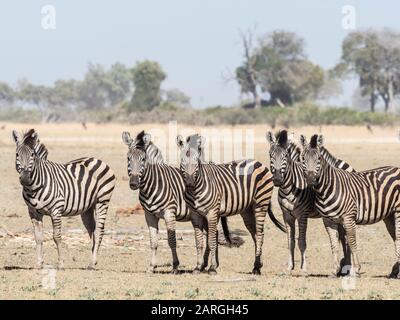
<point x="274" y="116"/>
<point x="274" y="71"/>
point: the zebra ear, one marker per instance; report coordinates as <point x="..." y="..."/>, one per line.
<point x="15" y="136"/>
<point x="291" y="137"/>
<point x="320" y="141"/>
<point x="146" y="139"/>
<point x="126" y="138"/>
<point x="271" y="138"/>
<point x="200" y="143"/>
<point x="179" y="141"/>
<point x="303" y="141"/>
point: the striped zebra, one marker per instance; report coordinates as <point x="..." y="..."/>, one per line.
<point x="161" y="190"/>
<point x="220" y="190"/>
<point x="83" y="186"/>
<point x="296" y="199"/>
<point x="352" y="198"/>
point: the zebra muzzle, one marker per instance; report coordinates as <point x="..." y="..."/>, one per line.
<point x="311" y="178"/>
<point x="134" y="182"/>
<point x="25" y="178"/>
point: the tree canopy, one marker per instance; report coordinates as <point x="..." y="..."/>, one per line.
<point x="374" y="56"/>
<point x="279" y="67"/>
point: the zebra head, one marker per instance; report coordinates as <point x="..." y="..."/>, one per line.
<point x="191" y="157"/>
<point x="25" y="155"/>
<point x="136" y="157"/>
<point x="278" y="155"/>
<point x="311" y="158"/>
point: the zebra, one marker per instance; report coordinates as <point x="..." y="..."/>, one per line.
<point x="352" y="198"/>
<point x="296" y="199"/>
<point x="83" y="186"/>
<point x="220" y="190"/>
<point x="161" y="190"/>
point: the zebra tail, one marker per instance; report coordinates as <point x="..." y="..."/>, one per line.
<point x="225" y="229"/>
<point x="275" y="220"/>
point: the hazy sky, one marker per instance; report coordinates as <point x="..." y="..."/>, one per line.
<point x="196" y="42"/>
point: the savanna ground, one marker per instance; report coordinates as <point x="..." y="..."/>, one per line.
<point x="124" y="256"/>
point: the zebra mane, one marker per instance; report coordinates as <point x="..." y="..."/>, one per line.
<point x="139" y="142"/>
<point x="282" y="138"/>
<point x="31" y="140"/>
<point x="314" y="141"/>
<point x="153" y="154"/>
<point x="338" y="163"/>
<point x="283" y="141"/>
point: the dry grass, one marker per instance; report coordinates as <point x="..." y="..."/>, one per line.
<point x="123" y="259"/>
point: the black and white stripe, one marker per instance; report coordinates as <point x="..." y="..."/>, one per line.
<point x="296" y="199"/>
<point x="83" y="186"/>
<point x="161" y="194"/>
<point x="240" y="187"/>
<point x="352" y="198"/>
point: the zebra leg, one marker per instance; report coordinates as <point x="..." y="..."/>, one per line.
<point x="346" y="260"/>
<point x="100" y="219"/>
<point x="391" y="226"/>
<point x="56" y="220"/>
<point x="152" y="223"/>
<point x="90" y="224"/>
<point x="259" y="220"/>
<point x="349" y="225"/>
<point x="206" y="247"/>
<point x="332" y="230"/>
<point x="37" y="222"/>
<point x="198" y="225"/>
<point x="254" y="222"/>
<point x="303" y="242"/>
<point x="212" y="221"/>
<point x="170" y="222"/>
<point x="289" y="221"/>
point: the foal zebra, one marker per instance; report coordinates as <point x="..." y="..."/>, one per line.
<point x="240" y="187"/>
<point x="161" y="190"/>
<point x="296" y="199"/>
<point x="83" y="186"/>
<point x="352" y="198"/>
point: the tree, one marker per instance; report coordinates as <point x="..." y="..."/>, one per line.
<point x="65" y="93"/>
<point x="374" y="56"/>
<point x="7" y="94"/>
<point x="103" y="88"/>
<point x="36" y="95"/>
<point x="147" y="79"/>
<point x="177" y="97"/>
<point x="279" y="66"/>
<point x="246" y="74"/>
<point x="118" y="83"/>
<point x="91" y="91"/>
<point x="284" y="70"/>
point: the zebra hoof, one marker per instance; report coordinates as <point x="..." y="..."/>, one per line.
<point x="91" y="267"/>
<point x="150" y="270"/>
<point x="304" y="273"/>
<point x="174" y="271"/>
<point x="196" y="271"/>
<point x="256" y="271"/>
<point x="393" y="276"/>
<point x="212" y="272"/>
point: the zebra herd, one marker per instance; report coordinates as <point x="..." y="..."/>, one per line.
<point x="312" y="183"/>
